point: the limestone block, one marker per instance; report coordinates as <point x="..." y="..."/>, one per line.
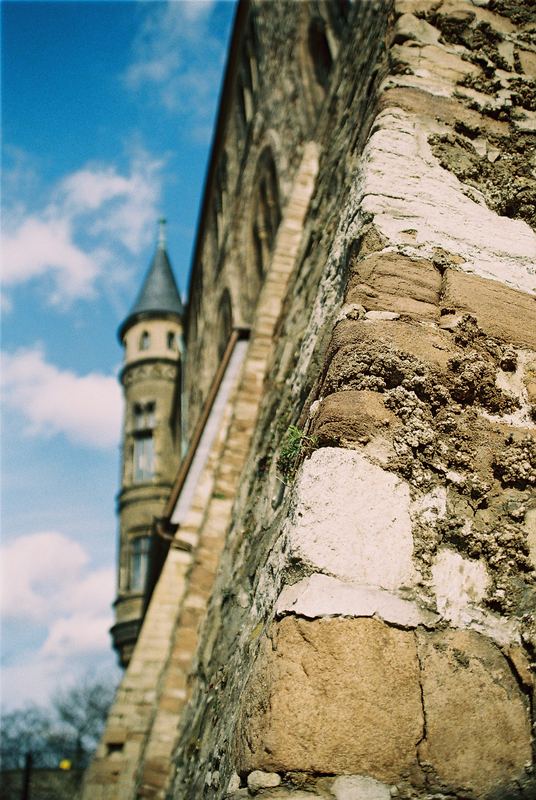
<point x="405" y="187"/>
<point x="334" y="696"/>
<point x="528" y="62"/>
<point x="459" y="583"/>
<point x="234" y="783"/>
<point x="262" y="780"/>
<point x="359" y="787"/>
<point x="477" y="722"/>
<point x="321" y="595"/>
<point x="397" y="283"/>
<point x="500" y="310"/>
<point x="351" y="519"/>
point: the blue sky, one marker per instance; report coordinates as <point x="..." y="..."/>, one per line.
<point x="107" y="117"/>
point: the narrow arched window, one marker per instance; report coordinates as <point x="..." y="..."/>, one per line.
<point x="319" y="51"/>
<point x="225" y="322"/>
<point x="171" y="341"/>
<point x="266" y="219"/>
<point x="145" y="340"/>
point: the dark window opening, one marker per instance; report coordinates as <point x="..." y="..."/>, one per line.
<point x="225" y="326"/>
<point x="320" y="52"/>
<point x="144" y="416"/>
<point x="266" y="219"/>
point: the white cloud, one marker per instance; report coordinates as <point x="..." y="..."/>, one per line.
<point x="37" y="571"/>
<point x="159" y="47"/>
<point x="40" y="245"/>
<point x="177" y="55"/>
<point x="48" y="581"/>
<point x="75" y="236"/>
<point x="78" y="633"/>
<point x="84" y="408"/>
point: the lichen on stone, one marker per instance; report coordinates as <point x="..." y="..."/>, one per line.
<point x="473" y="382"/>
<point x="508" y="184"/>
<point x="516" y="464"/>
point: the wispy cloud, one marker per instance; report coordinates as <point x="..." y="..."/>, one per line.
<point x="48" y="581"/>
<point x="90" y="214"/>
<point x="84" y="408"/>
<point x="178" y="57"/>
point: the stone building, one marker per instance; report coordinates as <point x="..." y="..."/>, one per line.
<point x="346" y="608"/>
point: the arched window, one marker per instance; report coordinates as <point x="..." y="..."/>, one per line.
<point x="225" y="322"/>
<point x="171" y="340"/>
<point x="319" y="51"/>
<point x="266" y="219"/>
<point x="145" y="340"/>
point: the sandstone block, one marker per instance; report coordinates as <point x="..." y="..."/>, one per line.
<point x="500" y="310"/>
<point x="334" y="696"/>
<point x="396" y="283"/>
<point x="477" y="723"/>
<point x="422" y="102"/>
<point x="351" y="416"/>
<point x="426" y="343"/>
<point x="409" y="27"/>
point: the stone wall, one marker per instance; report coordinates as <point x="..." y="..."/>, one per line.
<point x="371" y="633"/>
<point x="355" y="619"/>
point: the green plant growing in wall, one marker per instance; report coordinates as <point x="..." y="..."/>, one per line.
<point x="296" y="446"/>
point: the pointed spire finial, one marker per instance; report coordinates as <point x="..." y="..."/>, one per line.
<point x="162" y="233"/>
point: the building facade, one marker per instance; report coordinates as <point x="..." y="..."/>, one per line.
<point x="346" y="607"/>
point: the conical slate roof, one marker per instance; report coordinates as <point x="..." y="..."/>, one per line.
<point x="159" y="295"/>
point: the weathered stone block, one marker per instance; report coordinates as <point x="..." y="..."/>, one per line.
<point x="500" y="310"/>
<point x="393" y="282"/>
<point x="334" y="696"/>
<point x="428" y="344"/>
<point x="477" y="723"/>
<point x="351" y="416"/>
<point x="351" y="519"/>
<point x="409" y="27"/>
<point x="359" y="787"/>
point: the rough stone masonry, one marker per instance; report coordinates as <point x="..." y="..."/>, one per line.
<point x="370" y="631"/>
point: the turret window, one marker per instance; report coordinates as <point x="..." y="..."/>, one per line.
<point x="171" y="341"/>
<point x="138" y="563"/>
<point x="145" y="340"/>
<point x="144" y="466"/>
<point x="143" y="452"/>
<point x="144" y="416"/>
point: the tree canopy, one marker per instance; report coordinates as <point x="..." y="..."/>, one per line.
<point x="69" y="729"/>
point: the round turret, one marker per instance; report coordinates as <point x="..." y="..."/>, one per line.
<point x="151" y="377"/>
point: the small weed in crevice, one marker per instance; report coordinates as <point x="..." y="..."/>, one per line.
<point x="296" y="446"/>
